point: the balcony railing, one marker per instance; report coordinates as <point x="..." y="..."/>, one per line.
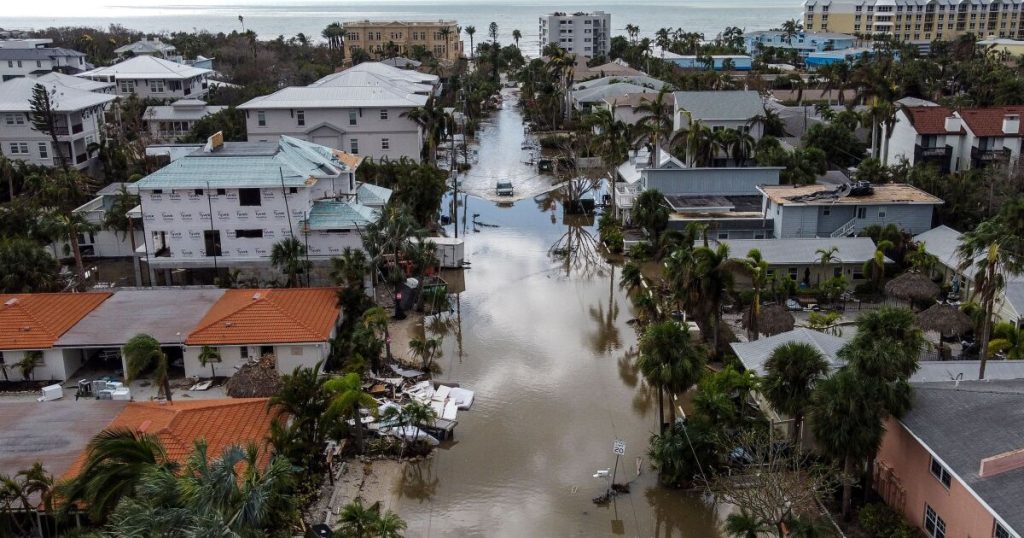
<point x="989" y="155"/>
<point x="933" y="151"/>
<point x="62" y="130"/>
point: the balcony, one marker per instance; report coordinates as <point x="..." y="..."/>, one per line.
<point x="939" y="155"/>
<point x="62" y="130"/>
<point x="983" y="157"/>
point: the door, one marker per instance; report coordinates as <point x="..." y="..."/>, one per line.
<point x="211" y="240"/>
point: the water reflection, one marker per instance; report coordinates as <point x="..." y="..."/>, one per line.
<point x="418" y="481"/>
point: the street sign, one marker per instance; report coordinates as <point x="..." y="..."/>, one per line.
<point x="619" y="447"/>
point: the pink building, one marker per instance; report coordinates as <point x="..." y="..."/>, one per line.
<point x="954" y="465"/>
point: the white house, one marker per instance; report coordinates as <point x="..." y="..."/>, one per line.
<point x="79" y="119"/>
<point x="150" y="46"/>
<point x="167" y="123"/>
<point x="16" y="62"/>
<point x="258" y="194"/>
<point x="150" y="77"/>
<point x="295" y="325"/>
<point x="580" y="33"/>
<point x="77" y="83"/>
<point x="955" y="140"/>
<point x="103" y="242"/>
<point x="31" y="324"/>
<point x="362" y="110"/>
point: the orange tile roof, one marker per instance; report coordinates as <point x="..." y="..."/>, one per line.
<point x="929" y="120"/>
<point x="271" y="316"/>
<point x="222" y="423"/>
<point x="37" y="320"/>
<point x="989" y="121"/>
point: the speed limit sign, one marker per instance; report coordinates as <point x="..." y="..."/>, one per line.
<point x="619" y="447"/>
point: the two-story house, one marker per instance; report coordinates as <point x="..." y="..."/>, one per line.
<point x="150" y="46"/>
<point x="360" y="112"/>
<point x="79" y="120"/>
<point x="167" y="123"/>
<point x="77" y="83"/>
<point x="225" y="206"/>
<point x="845" y="210"/>
<point x="22" y="62"/>
<point x="955" y="140"/>
<point x="720" y="110"/>
<point x="149" y="77"/>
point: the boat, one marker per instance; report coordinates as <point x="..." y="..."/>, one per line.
<point x="504" y="188"/>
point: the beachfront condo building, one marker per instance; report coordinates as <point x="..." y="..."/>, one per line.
<point x="384" y="39"/>
<point x="916" y="21"/>
<point x="585" y="34"/>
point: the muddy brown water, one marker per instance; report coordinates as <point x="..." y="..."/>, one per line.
<point x="545" y="343"/>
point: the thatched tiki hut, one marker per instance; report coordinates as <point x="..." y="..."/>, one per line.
<point x="256" y="379"/>
<point x="913" y="287"/>
<point x="774" y="319"/>
<point x="944" y="319"/>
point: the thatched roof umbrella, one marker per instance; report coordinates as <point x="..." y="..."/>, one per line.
<point x="774" y="319"/>
<point x="255" y="380"/>
<point x="912" y="286"/>
<point x="944" y="319"/>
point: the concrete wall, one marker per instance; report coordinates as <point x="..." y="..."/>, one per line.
<point x="288" y="356"/>
<point x="574" y="34"/>
<point x="910" y="485"/>
<point x="57" y="364"/>
<point x="709" y="181"/>
<point x="332" y="127"/>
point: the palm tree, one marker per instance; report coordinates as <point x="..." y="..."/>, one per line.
<point x="141" y="353"/>
<point x="669" y="362"/>
<point x="791" y="372"/>
<point x="388" y="525"/>
<point x="847" y="424"/>
<point x="650" y="212"/>
<point x="516" y="36"/>
<point x="412" y="414"/>
<point x="492" y="30"/>
<point x="349" y="269"/>
<point x="377" y="320"/>
<point x="446" y="34"/>
<point x="347" y="399"/>
<point x="1007" y="338"/>
<point x="359" y="521"/>
<point x="470" y="30"/>
<point x="289" y="256"/>
<point x="612" y="143"/>
<point x="62" y="189"/>
<point x="755" y="267"/>
<point x="435" y="121"/>
<point x="712" y="271"/>
<point x="826" y="257"/>
<point x="631" y="277"/>
<point x="875" y="267"/>
<point x="632" y="30"/>
<point x="115" y="462"/>
<point x="656" y="120"/>
<point x="425" y="349"/>
<point x="745" y="525"/>
<point x="209" y="355"/>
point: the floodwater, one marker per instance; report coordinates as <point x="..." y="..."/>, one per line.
<point x="545" y="343"/>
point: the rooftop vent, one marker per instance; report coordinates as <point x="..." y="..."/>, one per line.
<point x="11" y="302"/>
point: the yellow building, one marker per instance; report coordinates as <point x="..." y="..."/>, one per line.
<point x="917" y="20"/>
<point x="383" y="39"/>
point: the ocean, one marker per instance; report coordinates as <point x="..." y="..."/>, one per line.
<point x="288" y="18"/>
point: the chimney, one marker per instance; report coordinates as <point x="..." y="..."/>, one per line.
<point x="1011" y="124"/>
<point x="1001" y="463"/>
<point x="953" y="124"/>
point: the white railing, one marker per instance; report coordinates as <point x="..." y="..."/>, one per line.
<point x="845" y="229"/>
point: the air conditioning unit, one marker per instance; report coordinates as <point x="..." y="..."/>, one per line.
<point x="50" y="393"/>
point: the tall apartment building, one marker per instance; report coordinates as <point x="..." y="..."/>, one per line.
<point x="586" y="34"/>
<point x="440" y="38"/>
<point x="913" y="20"/>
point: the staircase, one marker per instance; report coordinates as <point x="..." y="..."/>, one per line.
<point x="845" y="229"/>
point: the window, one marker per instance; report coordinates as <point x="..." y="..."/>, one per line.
<point x="862" y="212"/>
<point x="837" y="272"/>
<point x="211" y="242"/>
<point x="156" y="86"/>
<point x="354" y="146"/>
<point x="999" y="532"/>
<point x="266" y="350"/>
<point x="934" y="526"/>
<point x="940" y="473"/>
<point x="249" y="197"/>
<point x="221" y="192"/>
<point x="39" y="63"/>
<point x="15" y="119"/>
<point x="254" y="234"/>
<point x="826" y="211"/>
<point x="197" y="192"/>
<point x="300" y="117"/>
<point x="293" y="190"/>
<point x="296" y="351"/>
<point x="881" y="212"/>
<point x="383" y="114"/>
<point x="243" y="352"/>
<point x="723" y="235"/>
<point x="19" y="148"/>
<point x="385" y="143"/>
<point x="352" y="117"/>
<point x="793" y="273"/>
<point x="261" y="118"/>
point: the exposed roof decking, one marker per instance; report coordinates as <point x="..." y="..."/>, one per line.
<point x="889" y="193"/>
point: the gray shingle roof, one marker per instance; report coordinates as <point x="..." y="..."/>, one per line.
<point x="600" y="93"/>
<point x="728" y="105"/>
<point x="754" y="354"/>
<point x="803" y="251"/>
<point x="37" y="54"/>
<point x="942" y="242"/>
<point x="961" y="425"/>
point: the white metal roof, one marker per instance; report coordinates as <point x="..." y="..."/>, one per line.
<point x="16" y="96"/>
<point x="336" y="97"/>
<point x="177" y="112"/>
<point x="74" y="82"/>
<point x="146" y="68"/>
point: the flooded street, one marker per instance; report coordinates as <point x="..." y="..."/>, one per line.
<point x="545" y="344"/>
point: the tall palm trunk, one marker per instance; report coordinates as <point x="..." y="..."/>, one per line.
<point x="847" y="502"/>
<point x="76" y="251"/>
<point x="986" y="331"/>
<point x="661" y="410"/>
<point x="798" y="425"/>
<point x="358" y="429"/>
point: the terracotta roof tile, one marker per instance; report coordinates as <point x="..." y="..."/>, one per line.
<point x="269" y="316"/>
<point x="222" y="423"/>
<point x="37" y="320"/>
<point x="929" y="120"/>
<point x="989" y="121"/>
